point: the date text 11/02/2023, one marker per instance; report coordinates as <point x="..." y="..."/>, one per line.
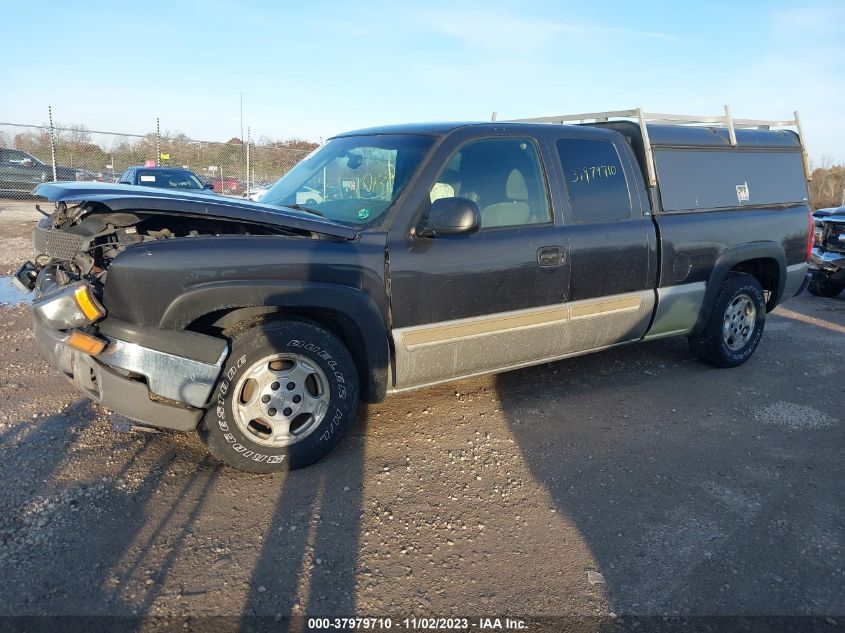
<point x="418" y="624"/>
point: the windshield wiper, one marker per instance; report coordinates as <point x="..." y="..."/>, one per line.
<point x="299" y="207"/>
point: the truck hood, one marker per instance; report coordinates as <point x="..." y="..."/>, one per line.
<point x="134" y="198"/>
<point x="837" y="213"/>
<point x="830" y="215"/>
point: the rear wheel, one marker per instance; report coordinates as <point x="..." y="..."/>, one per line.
<point x="285" y="397"/>
<point x="736" y="324"/>
<point x="825" y="288"/>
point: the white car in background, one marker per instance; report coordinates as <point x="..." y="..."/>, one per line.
<point x="308" y="195"/>
<point x="305" y="196"/>
<point x="255" y="193"/>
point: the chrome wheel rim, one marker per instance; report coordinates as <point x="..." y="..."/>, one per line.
<point x="740" y="321"/>
<point x="281" y="399"/>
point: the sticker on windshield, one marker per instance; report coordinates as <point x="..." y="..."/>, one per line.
<point x="363" y="214"/>
<point x="148" y="178"/>
<point x="742" y="192"/>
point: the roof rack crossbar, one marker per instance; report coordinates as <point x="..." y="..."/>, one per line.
<point x="724" y="120"/>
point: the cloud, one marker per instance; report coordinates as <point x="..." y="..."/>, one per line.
<point x="801" y="67"/>
<point x="502" y="31"/>
<point x="819" y="19"/>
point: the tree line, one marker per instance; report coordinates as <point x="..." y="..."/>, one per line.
<point x="827" y="188"/>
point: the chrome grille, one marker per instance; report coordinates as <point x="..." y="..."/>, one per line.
<point x="833" y="235"/>
<point x="56" y="244"/>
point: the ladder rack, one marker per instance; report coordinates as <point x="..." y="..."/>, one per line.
<point x="642" y="118"/>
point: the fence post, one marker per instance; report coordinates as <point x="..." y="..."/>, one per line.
<point x="52" y="142"/>
<point x="248" y="141"/>
<point x="158" y="143"/>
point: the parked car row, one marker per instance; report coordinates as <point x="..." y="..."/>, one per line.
<point x="21" y="172"/>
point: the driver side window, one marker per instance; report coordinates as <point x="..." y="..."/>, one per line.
<point x="502" y="176"/>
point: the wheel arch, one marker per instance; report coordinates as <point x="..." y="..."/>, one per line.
<point x="345" y="311"/>
<point x="766" y="261"/>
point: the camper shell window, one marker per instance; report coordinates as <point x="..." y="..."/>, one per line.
<point x="697" y="179"/>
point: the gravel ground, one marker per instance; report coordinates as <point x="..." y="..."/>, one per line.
<point x="17" y="219"/>
<point x="634" y="481"/>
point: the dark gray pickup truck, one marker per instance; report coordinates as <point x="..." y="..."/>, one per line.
<point x="20" y="172"/>
<point x="430" y="253"/>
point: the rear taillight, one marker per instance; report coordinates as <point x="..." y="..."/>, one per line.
<point x="811" y="225"/>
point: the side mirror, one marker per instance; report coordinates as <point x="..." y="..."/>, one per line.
<point x="209" y="185"/>
<point x="450" y="216"/>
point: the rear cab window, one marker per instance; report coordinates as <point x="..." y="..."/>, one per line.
<point x="595" y="180"/>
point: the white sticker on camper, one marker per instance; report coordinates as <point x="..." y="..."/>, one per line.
<point x="742" y="192"/>
<point x="153" y="179"/>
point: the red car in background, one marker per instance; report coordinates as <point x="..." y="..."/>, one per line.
<point x="228" y="185"/>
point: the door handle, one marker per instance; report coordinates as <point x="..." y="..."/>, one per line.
<point x="550" y="256"/>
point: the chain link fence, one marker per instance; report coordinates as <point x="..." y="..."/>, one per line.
<point x="32" y="154"/>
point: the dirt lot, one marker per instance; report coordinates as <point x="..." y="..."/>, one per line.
<point x="691" y="490"/>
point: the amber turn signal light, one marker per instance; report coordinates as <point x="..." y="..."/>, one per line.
<point x="83" y="342"/>
<point x="85" y="301"/>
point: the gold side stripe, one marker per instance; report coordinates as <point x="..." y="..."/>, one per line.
<point x="486" y="326"/>
<point x="527" y="319"/>
<point x="610" y="305"/>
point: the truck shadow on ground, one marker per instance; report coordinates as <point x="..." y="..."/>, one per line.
<point x="164" y="524"/>
<point x="313" y="570"/>
<point x="693" y="494"/>
<point x="64" y="530"/>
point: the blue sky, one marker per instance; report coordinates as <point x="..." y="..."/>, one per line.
<point x="311" y="69"/>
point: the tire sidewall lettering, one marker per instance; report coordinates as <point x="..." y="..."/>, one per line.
<point x="327" y="357"/>
<point x="233" y="436"/>
<point x="333" y="425"/>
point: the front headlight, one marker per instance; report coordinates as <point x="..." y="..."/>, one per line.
<point x="72" y="306"/>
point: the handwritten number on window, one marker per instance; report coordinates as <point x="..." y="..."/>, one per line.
<point x="593" y="173"/>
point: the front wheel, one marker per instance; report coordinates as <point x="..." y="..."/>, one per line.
<point x="825" y="288"/>
<point x="286" y="395"/>
<point x="736" y="324"/>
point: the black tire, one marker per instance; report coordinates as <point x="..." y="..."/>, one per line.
<point x="241" y="448"/>
<point x="825" y="288"/>
<point x="711" y="345"/>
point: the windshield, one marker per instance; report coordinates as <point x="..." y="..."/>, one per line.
<point x="170" y="178"/>
<point x="352" y="179"/>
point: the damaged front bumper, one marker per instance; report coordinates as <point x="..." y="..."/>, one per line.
<point x="157" y="377"/>
<point x="143" y="384"/>
<point x="827" y="265"/>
